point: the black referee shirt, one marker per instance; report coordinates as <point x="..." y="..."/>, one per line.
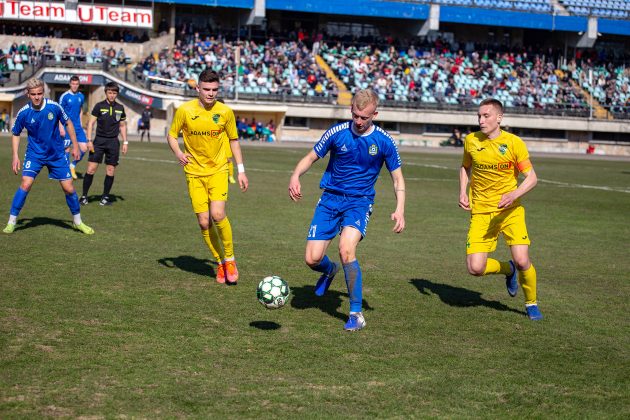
<point x="108" y="118"/>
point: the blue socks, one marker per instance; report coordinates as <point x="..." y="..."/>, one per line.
<point x="354" y="281"/>
<point x="18" y="201"/>
<point x="325" y="266"/>
<point x="73" y="203"/>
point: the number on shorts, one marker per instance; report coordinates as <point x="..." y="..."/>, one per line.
<point x="311" y="231"/>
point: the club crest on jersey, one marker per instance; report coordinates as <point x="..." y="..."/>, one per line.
<point x="117" y="116"/>
<point x="215" y="118"/>
<point x="373" y="150"/>
<point x="503" y="149"/>
<point x="50" y="116"/>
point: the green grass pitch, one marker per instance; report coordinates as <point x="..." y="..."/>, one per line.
<point x="130" y="323"/>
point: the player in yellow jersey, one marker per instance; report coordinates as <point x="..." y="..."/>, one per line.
<point x="210" y="136"/>
<point x="492" y="162"/>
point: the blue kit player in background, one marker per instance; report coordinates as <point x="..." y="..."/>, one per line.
<point x="72" y="103"/>
<point x="41" y="118"/>
<point x="357" y="150"/>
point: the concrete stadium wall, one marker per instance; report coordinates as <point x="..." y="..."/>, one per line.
<point x="412" y="133"/>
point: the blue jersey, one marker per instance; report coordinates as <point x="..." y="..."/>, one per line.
<point x="42" y="126"/>
<point x="356" y="160"/>
<point x="72" y="103"/>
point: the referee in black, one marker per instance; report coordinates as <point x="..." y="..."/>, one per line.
<point x="111" y="121"/>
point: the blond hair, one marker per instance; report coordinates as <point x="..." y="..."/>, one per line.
<point x="363" y="98"/>
<point x="34" y="83"/>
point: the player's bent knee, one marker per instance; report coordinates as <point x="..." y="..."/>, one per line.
<point x="475" y="269"/>
<point x="522" y="264"/>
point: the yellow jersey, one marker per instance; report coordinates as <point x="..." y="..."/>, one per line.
<point x="207" y="134"/>
<point x="495" y="165"/>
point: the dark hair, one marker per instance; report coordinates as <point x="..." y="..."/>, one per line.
<point x="112" y="86"/>
<point x="494" y="102"/>
<point x="208" y="76"/>
<point x="74" y="78"/>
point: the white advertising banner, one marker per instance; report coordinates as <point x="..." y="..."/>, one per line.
<point x="85" y="14"/>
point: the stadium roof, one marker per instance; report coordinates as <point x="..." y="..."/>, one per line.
<point x="420" y="12"/>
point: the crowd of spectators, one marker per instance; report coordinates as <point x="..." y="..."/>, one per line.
<point x="434" y="72"/>
<point x="402" y="72"/>
<point x="268" y="68"/>
<point x="255" y="130"/>
<point x="441" y="75"/>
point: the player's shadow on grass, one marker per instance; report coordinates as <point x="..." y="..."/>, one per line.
<point x="41" y="221"/>
<point x="458" y="296"/>
<point x="191" y="264"/>
<point x="113" y="198"/>
<point x="265" y="325"/>
<point x="305" y="298"/>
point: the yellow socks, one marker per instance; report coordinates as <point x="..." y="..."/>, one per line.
<point x="497" y="267"/>
<point x="225" y="233"/>
<point x="527" y="280"/>
<point x="211" y="238"/>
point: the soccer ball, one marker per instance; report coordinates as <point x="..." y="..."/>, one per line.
<point x="273" y="292"/>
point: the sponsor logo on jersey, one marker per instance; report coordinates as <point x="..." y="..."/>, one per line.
<point x="504" y="166"/>
<point x="480" y="149"/>
<point x="199" y="133"/>
<point x="503" y="149"/>
<point x="194" y="118"/>
<point x="373" y="150"/>
<point x="215" y="118"/>
<point x="486" y="166"/>
<point x="32" y="120"/>
<point x="344" y="148"/>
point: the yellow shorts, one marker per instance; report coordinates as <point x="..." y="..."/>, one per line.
<point x="485" y="228"/>
<point x="204" y="189"/>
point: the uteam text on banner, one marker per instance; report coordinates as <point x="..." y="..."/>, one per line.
<point x="85" y="14"/>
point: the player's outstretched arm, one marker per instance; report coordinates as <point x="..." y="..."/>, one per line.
<point x="295" y="188"/>
<point x="530" y="181"/>
<point x="235" y="146"/>
<point x="398" y="216"/>
<point x="464" y="175"/>
<point x="15" y="144"/>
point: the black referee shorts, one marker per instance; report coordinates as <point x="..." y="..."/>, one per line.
<point x="108" y="147"/>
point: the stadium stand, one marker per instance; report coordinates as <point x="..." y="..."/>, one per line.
<point x="300" y="57"/>
<point x="274" y="69"/>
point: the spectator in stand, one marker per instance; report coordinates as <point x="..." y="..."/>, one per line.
<point x="96" y="53"/>
<point x="80" y="53"/>
<point x="241" y="127"/>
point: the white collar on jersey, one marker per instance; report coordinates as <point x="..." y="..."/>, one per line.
<point x="44" y="101"/>
<point x="367" y="133"/>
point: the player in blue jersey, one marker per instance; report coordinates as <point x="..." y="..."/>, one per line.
<point x="72" y="103"/>
<point x="358" y="150"/>
<point x="45" y="147"/>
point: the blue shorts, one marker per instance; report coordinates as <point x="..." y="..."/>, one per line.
<point x="58" y="168"/>
<point x="81" y="138"/>
<point x="336" y="211"/>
